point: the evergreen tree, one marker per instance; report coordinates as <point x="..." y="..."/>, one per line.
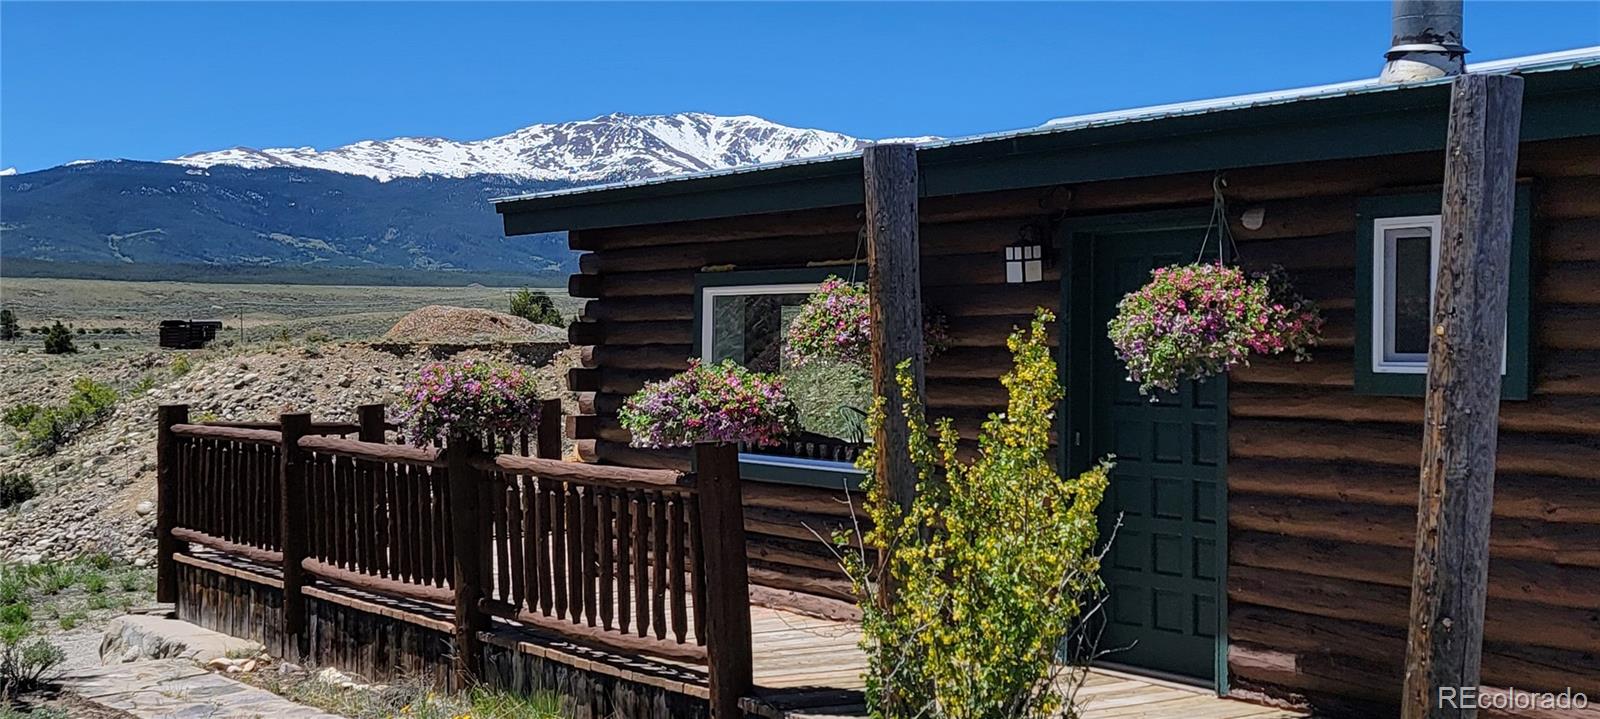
<point x="536" y="307"/>
<point x="58" y="340"/>
<point x="8" y="325"/>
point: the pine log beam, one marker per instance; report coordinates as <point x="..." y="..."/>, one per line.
<point x="1393" y="526"/>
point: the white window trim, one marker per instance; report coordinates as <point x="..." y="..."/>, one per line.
<point x="1381" y="270"/>
<point x="1380" y="291"/>
<point x="709" y="294"/>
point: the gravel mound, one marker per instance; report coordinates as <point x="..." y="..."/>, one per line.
<point x="442" y="324"/>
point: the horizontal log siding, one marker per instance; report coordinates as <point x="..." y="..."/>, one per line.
<point x="639" y="321"/>
<point x="1323" y="482"/>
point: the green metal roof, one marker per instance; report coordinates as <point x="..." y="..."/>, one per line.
<point x="1358" y="119"/>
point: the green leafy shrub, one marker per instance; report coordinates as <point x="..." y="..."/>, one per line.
<point x="18" y="416"/>
<point x="58" y="340"/>
<point x="24" y="666"/>
<point x="47" y="428"/>
<point x="16" y="488"/>
<point x="15" y="613"/>
<point x="995" y="564"/>
<point x="536" y="307"/>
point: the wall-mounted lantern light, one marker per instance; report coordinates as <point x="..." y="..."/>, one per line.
<point x="1025" y="257"/>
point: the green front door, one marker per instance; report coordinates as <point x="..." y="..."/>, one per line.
<point x="1163" y="570"/>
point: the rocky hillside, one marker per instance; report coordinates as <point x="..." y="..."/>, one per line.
<point x="97" y="493"/>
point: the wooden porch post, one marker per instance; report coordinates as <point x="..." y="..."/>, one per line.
<point x="1462" y="411"/>
<point x="727" y="582"/>
<point x="373" y="425"/>
<point x="895" y="288"/>
<point x="465" y="486"/>
<point x="167" y="415"/>
<point x="549" y="439"/>
<point x="292" y="497"/>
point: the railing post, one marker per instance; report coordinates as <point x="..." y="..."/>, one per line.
<point x="292" y="522"/>
<point x="464" y="481"/>
<point x="167" y="499"/>
<point x="727" y="581"/>
<point x="372" y="422"/>
<point x="549" y="444"/>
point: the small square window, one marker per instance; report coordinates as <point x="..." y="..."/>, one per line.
<point x="1398" y="261"/>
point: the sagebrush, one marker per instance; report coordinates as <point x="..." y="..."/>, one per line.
<point x="45" y="428"/>
<point x="994" y="566"/>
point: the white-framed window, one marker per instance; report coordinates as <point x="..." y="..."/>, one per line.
<point x="1405" y="261"/>
<point x="747" y="323"/>
<point x="1405" y="270"/>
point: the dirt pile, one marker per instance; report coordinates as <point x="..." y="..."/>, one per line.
<point x="443" y="324"/>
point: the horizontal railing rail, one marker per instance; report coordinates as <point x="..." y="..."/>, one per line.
<point x="632" y="560"/>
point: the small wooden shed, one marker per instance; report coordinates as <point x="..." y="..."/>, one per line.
<point x="1268" y="517"/>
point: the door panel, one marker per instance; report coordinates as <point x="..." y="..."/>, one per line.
<point x="1162" y="571"/>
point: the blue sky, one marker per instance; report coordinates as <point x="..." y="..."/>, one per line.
<point x="152" y="81"/>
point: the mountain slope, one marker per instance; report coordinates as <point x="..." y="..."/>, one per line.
<point x="607" y="148"/>
<point x="406" y="203"/>
<point x="157" y="213"/>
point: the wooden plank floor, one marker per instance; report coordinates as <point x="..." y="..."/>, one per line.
<point x="808" y="668"/>
<point x="805" y="667"/>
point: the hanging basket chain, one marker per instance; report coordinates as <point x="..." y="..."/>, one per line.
<point x="1219" y="223"/>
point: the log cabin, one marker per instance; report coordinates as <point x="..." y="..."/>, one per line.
<point x="1268" y="517"/>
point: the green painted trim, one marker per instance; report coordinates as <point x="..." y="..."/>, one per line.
<point x="1221" y="657"/>
<point x="843" y="476"/>
<point x="832" y="477"/>
<point x="1556" y="105"/>
<point x="1515" y="385"/>
<point x="1075" y="240"/>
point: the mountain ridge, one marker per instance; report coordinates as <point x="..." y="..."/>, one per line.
<point x="412" y="204"/>
<point x="611" y="147"/>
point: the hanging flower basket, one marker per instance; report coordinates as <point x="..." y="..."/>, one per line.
<point x="470" y="398"/>
<point x="710" y="403"/>
<point x="1199" y="320"/>
<point x="835" y="325"/>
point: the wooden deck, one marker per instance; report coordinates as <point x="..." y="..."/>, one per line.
<point x="805" y="667"/>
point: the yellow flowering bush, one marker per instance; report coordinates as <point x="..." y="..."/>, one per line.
<point x="993" y="566"/>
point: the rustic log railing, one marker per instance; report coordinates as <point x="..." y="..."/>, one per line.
<point x="635" y="561"/>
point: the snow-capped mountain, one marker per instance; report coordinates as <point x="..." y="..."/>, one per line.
<point x="613" y="147"/>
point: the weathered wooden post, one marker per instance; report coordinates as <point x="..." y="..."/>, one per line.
<point x="727" y="582"/>
<point x="1462" y="411"/>
<point x="894" y="285"/>
<point x="292" y="524"/>
<point x="372" y="421"/>
<point x="167" y="415"/>
<point x="465" y="487"/>
<point x="549" y="440"/>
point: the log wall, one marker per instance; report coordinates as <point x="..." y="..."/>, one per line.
<point x="640" y="323"/>
<point x="1322" y="482"/>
